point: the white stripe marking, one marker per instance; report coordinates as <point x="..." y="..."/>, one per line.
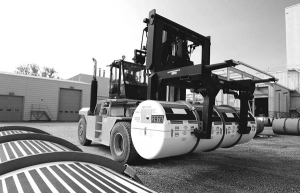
<point x="13" y="150"/>
<point x="32" y="144"/>
<point x="32" y="182"/>
<point x="106" y="179"/>
<point x="60" y="180"/>
<point x="17" y="182"/>
<point x="27" y="147"/>
<point x="20" y="148"/>
<point x="53" y="146"/>
<point x="49" y="184"/>
<point x="132" y="185"/>
<point x="96" y="178"/>
<point x="48" y="148"/>
<point x="63" y="147"/>
<point x="73" y="179"/>
<point x="5" y="152"/>
<point x="1" y="133"/>
<point x="39" y="145"/>
<point x="95" y="186"/>
<point x="4" y="186"/>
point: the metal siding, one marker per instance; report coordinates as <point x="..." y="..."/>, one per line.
<point x="69" y="105"/>
<point x="42" y="92"/>
<point x="36" y="88"/>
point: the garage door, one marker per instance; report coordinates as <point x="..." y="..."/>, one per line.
<point x="69" y="105"/>
<point x="11" y="108"/>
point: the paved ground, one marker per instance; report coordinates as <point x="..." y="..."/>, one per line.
<point x="269" y="163"/>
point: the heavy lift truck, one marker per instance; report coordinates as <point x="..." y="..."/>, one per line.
<point x="161" y="71"/>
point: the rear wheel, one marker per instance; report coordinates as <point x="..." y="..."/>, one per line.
<point x="121" y="146"/>
<point x="82" y="133"/>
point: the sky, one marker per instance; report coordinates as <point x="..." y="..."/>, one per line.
<point x="67" y="34"/>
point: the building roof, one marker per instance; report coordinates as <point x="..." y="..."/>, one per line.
<point x="293" y="6"/>
<point x="39" y="77"/>
<point x="87" y="78"/>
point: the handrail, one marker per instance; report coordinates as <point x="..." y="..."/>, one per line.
<point x="40" y="107"/>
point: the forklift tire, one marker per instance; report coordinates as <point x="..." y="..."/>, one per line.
<point x="82" y="133"/>
<point x="121" y="146"/>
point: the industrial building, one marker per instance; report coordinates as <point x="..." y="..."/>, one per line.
<point x="34" y="98"/>
<point x="292" y="21"/>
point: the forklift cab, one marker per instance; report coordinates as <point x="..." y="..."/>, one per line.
<point x="127" y="80"/>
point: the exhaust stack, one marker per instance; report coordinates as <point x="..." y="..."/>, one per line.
<point x="94" y="90"/>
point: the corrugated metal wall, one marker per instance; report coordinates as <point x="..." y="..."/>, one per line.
<point x="40" y="91"/>
<point x="279" y="101"/>
<point x="288" y="78"/>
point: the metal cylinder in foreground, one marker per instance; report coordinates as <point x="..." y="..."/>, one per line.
<point x="286" y="126"/>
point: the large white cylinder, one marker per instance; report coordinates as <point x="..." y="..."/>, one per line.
<point x="158" y="131"/>
<point x="231" y="119"/>
<point x="253" y="125"/>
<point x="217" y="132"/>
<point x="163" y="129"/>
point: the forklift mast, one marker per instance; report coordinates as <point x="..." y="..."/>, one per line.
<point x="168" y="51"/>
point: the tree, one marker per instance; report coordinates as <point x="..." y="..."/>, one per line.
<point x="23" y="69"/>
<point x="34" y="70"/>
<point x="48" y="72"/>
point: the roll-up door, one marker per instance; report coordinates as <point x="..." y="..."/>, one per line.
<point x="11" y="108"/>
<point x="69" y="105"/>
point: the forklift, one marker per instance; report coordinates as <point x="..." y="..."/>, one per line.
<point x="147" y="96"/>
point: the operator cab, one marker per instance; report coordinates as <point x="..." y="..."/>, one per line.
<point x="128" y="80"/>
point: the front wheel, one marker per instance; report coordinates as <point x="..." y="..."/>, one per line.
<point x="121" y="146"/>
<point x="82" y="133"/>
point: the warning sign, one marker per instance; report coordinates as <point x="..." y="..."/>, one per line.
<point x="146" y="116"/>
